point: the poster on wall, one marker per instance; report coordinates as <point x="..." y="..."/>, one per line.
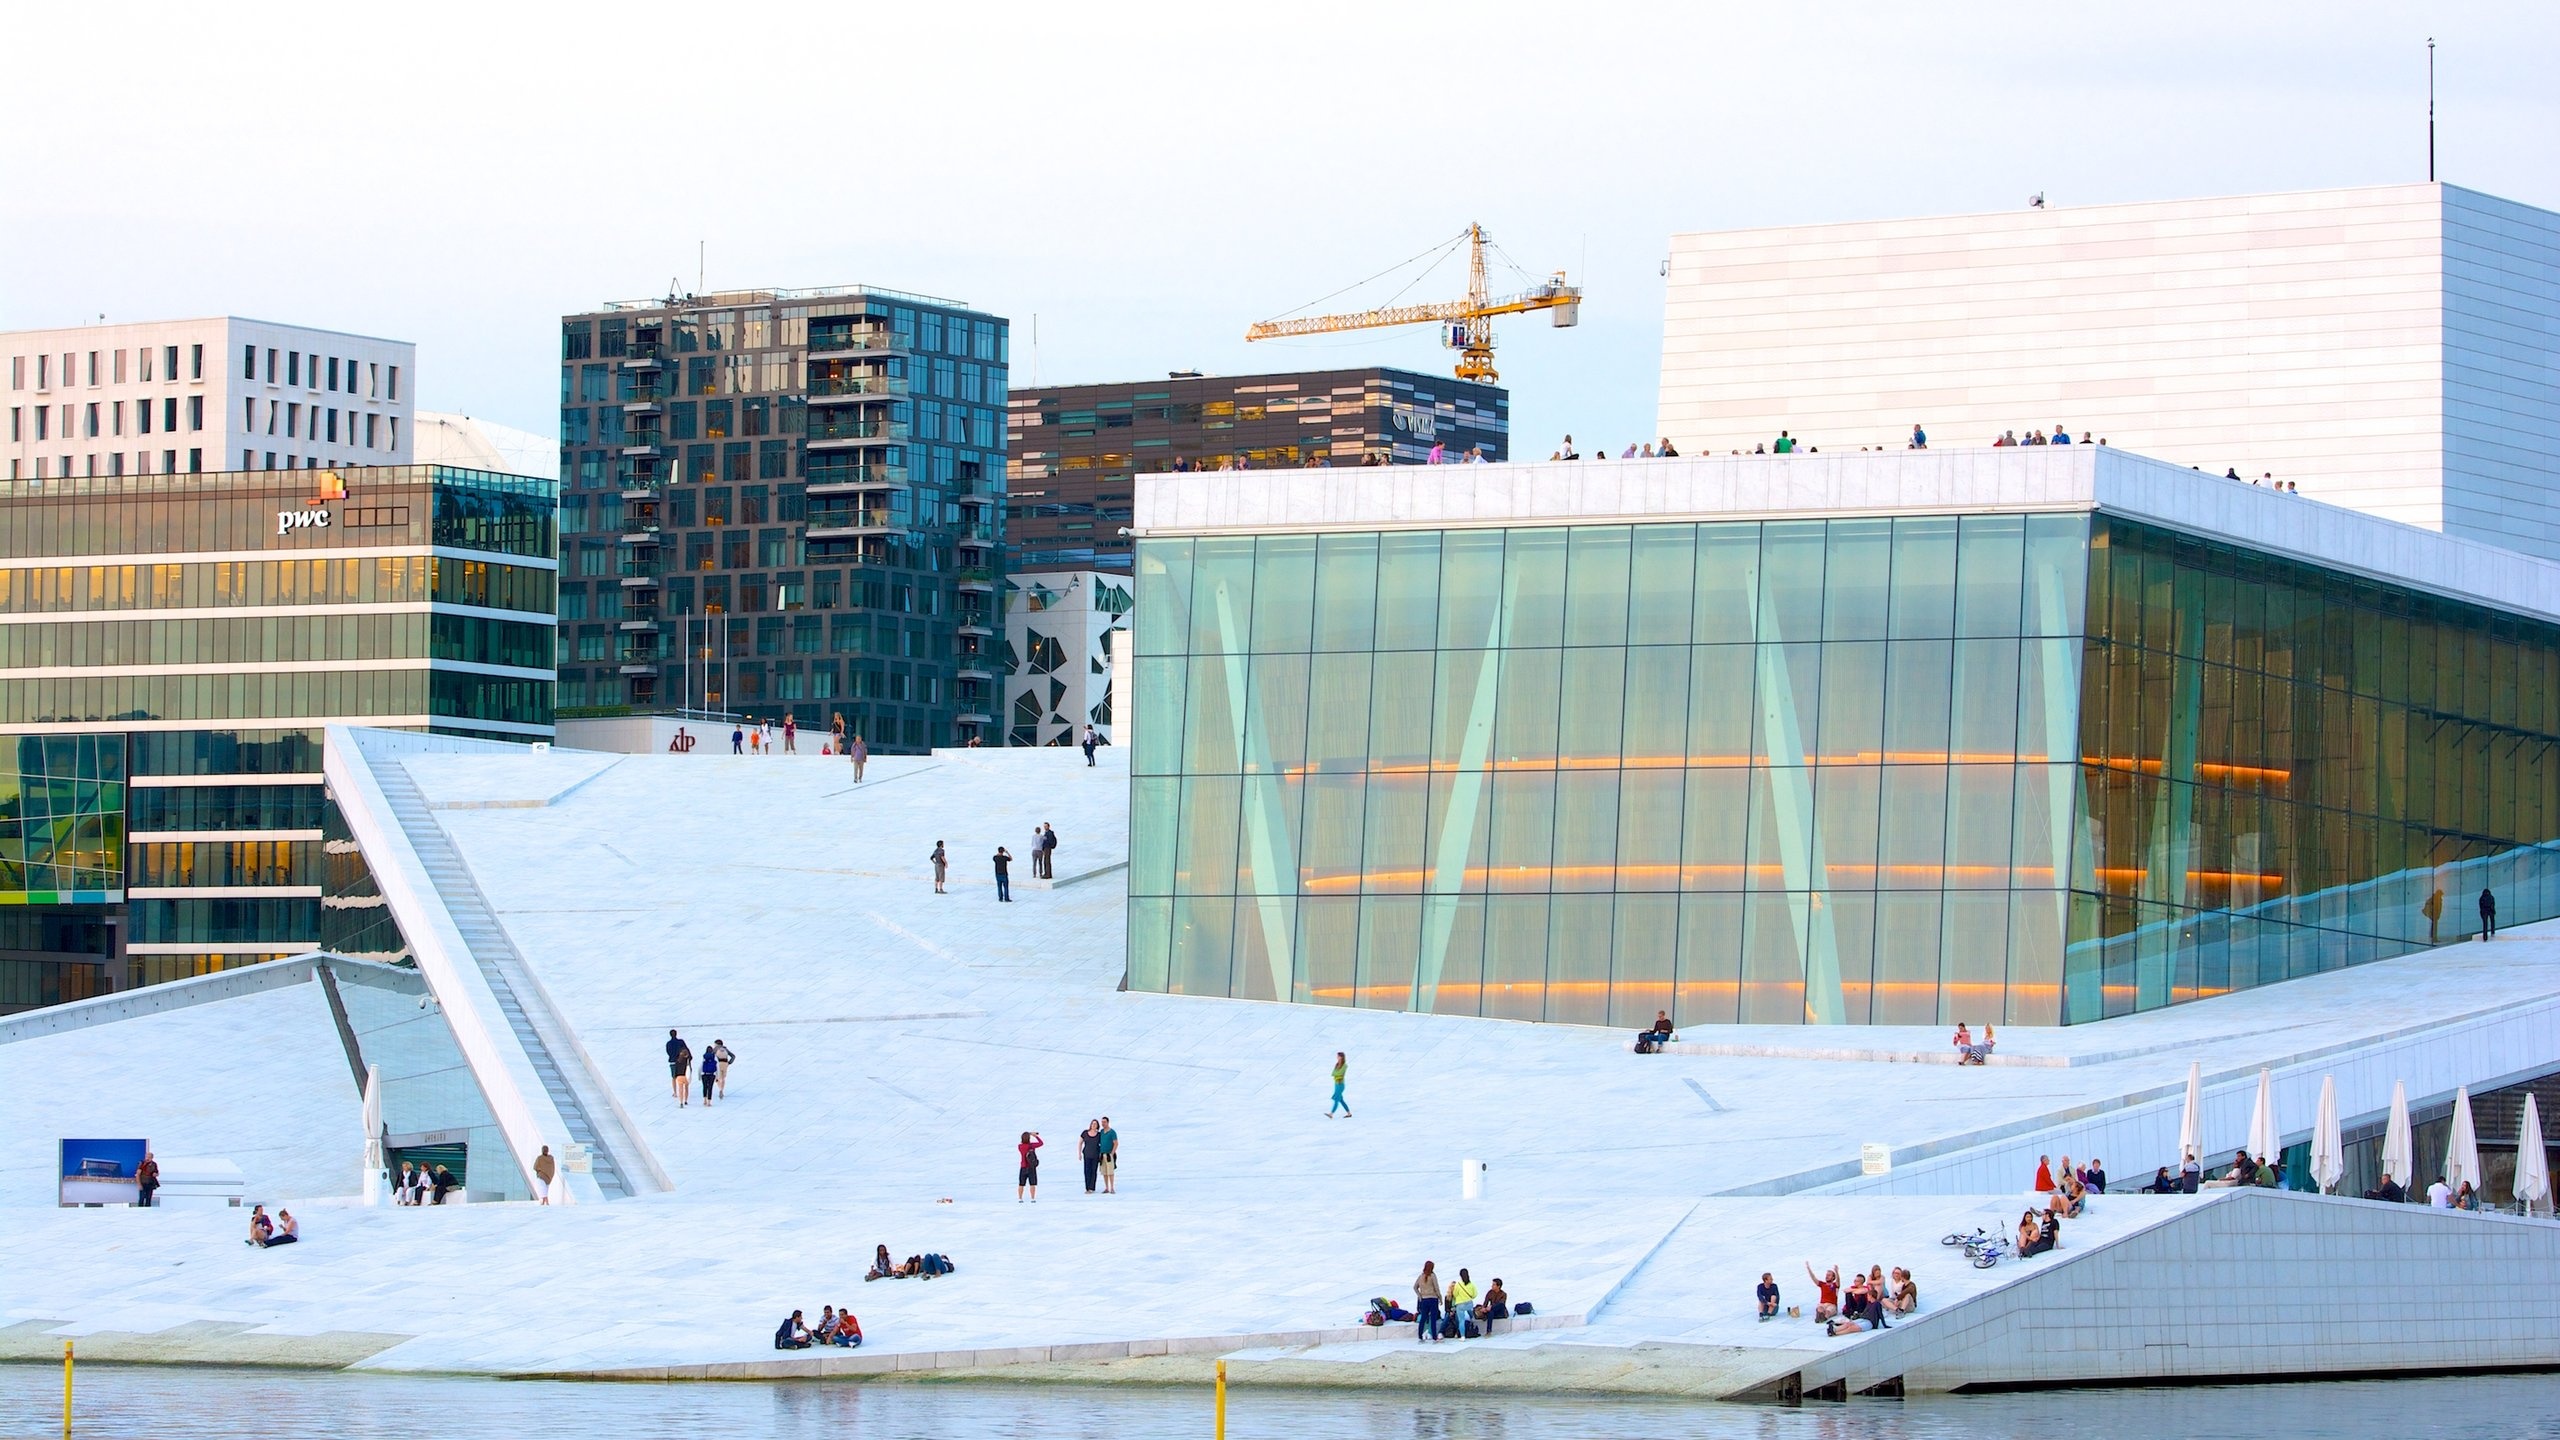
<point x="101" y="1172"/>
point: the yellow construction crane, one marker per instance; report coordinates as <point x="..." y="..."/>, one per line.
<point x="1469" y="322"/>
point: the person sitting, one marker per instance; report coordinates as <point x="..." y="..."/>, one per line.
<point x="2389" y="1190"/>
<point x="2466" y="1198"/>
<point x="2162" y="1183"/>
<point x="1496" y="1305"/>
<point x="1906" y="1293"/>
<point x="1767" y="1293"/>
<point x="1853" y="1306"/>
<point x="792" y="1334"/>
<point x="2061" y="1202"/>
<point x="847" y="1333"/>
<point x="1826" y="1290"/>
<point x="2048" y="1235"/>
<point x="2242" y="1172"/>
<point x="2266" y="1176"/>
<point x="287" y="1230"/>
<point x="1979" y="1052"/>
<point x="444" y="1184"/>
<point x="1963" y="1043"/>
<point x="2028" y="1230"/>
<point x="882" y="1267"/>
<point x="2095" y="1177"/>
<point x="261" y="1229"/>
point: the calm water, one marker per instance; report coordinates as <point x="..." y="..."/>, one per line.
<point x="266" y="1405"/>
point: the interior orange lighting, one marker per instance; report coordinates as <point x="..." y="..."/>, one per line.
<point x="1673" y="762"/>
<point x="2244" y="774"/>
<point x="1477" y="875"/>
<point x="2203" y="877"/>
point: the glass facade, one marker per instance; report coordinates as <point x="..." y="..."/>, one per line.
<point x="62" y="819"/>
<point x="784" y="503"/>
<point x="1886" y="770"/>
<point x="200" y="627"/>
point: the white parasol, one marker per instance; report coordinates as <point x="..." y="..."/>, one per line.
<point x="2328" y="1146"/>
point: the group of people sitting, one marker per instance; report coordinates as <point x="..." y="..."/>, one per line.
<point x="1458" y="1311"/>
<point x="266" y="1233"/>
<point x="423" y="1185"/>
<point x="835" y="1327"/>
<point x="1863" y="1305"/>
<point x="1970" y="1051"/>
<point x="914" y="1267"/>
<point x="2247" y="1170"/>
<point x="2067" y="1190"/>
<point x="1651" y="1039"/>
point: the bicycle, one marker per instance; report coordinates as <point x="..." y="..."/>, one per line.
<point x="1988" y="1253"/>
<point x="1967" y="1241"/>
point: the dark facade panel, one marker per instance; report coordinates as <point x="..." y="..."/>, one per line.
<point x="1077" y="448"/>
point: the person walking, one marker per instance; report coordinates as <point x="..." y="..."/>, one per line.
<point x="755" y="739"/>
<point x="544" y="1168"/>
<point x="1426" y="1304"/>
<point x="728" y="1058"/>
<point x="1026" y="1171"/>
<point x="1110" y="1158"/>
<point x="146" y="1180"/>
<point x="2433" y="909"/>
<point x="737" y="739"/>
<point x="1919" y="438"/>
<point x="710" y="1071"/>
<point x="790" y="735"/>
<point x="2488" y="914"/>
<point x="770" y="749"/>
<point x="1004" y="875"/>
<point x="680" y="1068"/>
<point x="941" y="859"/>
<point x="861" y="754"/>
<point x="1341" y="1067"/>
<point x="1092" y="738"/>
<point x="1089" y="1149"/>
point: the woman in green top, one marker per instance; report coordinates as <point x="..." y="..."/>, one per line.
<point x="1341" y="1067"/>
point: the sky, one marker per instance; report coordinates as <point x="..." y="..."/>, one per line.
<point x="1147" y="180"/>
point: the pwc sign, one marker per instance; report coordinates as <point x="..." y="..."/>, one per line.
<point x="315" y="512"/>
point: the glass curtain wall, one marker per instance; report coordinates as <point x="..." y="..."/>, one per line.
<point x="2290" y="770"/>
<point x="1795" y="772"/>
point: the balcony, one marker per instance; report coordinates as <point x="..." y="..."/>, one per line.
<point x="640" y="536"/>
<point x="644" y="355"/>
<point x="974" y="537"/>
<point x="974" y="718"/>
<point x="642" y="488"/>
<point x="975" y="580"/>
<point x="846" y="479"/>
<point x="859" y="342"/>
<point x="831" y="433"/>
<point x="640" y="667"/>
<point x="975" y="626"/>
<point x="852" y="524"/>
<point x="636" y="405"/>
<point x="978" y="670"/>
<point x="641" y="568"/>
<point x="638" y="624"/>
<point x="845" y="389"/>
<point x="639" y="443"/>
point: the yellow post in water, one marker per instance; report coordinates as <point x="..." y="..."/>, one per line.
<point x="66" y="1389"/>
<point x="1222" y="1397"/>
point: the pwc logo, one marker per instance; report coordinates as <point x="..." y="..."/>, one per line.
<point x="315" y="512"/>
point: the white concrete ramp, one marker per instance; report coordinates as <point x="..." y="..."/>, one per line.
<point x="2252" y="1284"/>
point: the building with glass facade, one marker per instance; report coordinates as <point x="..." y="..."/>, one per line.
<point x="2031" y="736"/>
<point x="785" y="503"/>
<point x="1077" y="449"/>
<point x="171" y="646"/>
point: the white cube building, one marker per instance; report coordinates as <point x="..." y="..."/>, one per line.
<point x="201" y="395"/>
<point x="1058" y="633"/>
<point x="2393" y="348"/>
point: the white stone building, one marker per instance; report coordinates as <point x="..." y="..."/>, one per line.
<point x="220" y="393"/>
<point x="2393" y="348"/>
<point x="1058" y="629"/>
<point x="444" y="438"/>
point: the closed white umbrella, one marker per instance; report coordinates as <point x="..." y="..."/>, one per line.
<point x="2262" y="1118"/>
<point x="2191" y="1125"/>
<point x="373" y="1135"/>
<point x="2328" y="1146"/>
<point x="2399" y="1152"/>
<point x="2533" y="1165"/>
<point x="2462" y="1148"/>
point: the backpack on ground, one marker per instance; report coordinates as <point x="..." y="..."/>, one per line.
<point x="1524" y="1309"/>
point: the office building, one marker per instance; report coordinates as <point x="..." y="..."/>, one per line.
<point x="171" y="646"/>
<point x="785" y="503"/>
<point x="187" y="396"/>
<point x="2392" y="348"/>
<point x="2037" y="736"/>
<point x="1077" y="448"/>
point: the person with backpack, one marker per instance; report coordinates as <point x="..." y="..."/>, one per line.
<point x="710" y="1072"/>
<point x="1026" y="1172"/>
<point x="1048" y="851"/>
<point x="680" y="1068"/>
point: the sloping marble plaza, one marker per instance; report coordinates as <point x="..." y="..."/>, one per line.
<point x="892" y="1042"/>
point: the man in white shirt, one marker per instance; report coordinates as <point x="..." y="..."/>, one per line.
<point x="2440" y="1195"/>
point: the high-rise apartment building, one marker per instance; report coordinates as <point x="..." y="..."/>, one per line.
<point x="186" y="396"/>
<point x="1077" y="448"/>
<point x="785" y="503"/>
<point x="172" y="648"/>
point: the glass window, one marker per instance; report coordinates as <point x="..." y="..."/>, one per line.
<point x="1924" y="575"/>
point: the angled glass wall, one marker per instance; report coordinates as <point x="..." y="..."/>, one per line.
<point x="1891" y="770"/>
